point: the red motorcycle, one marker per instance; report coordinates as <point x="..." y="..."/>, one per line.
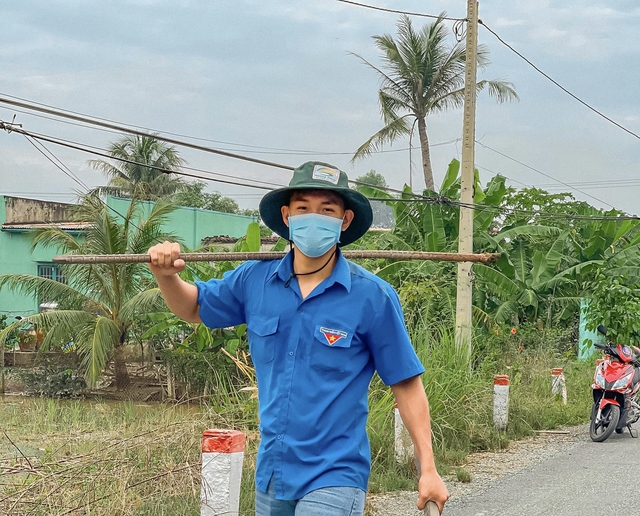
<point x="615" y="391"/>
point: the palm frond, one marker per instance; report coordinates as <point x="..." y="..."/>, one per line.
<point x="385" y="135"/>
<point x="45" y="288"/>
<point x="147" y="301"/>
<point x="500" y="90"/>
<point x="95" y="345"/>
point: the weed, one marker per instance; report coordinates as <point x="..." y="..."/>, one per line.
<point x="463" y="475"/>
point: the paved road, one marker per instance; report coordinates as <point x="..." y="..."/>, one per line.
<point x="585" y="478"/>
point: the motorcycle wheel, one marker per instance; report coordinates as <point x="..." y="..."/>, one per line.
<point x="602" y="430"/>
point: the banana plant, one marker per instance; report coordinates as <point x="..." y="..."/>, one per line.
<point x="527" y="281"/>
<point x="431" y="224"/>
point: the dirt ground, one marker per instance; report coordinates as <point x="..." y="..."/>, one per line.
<point x="147" y="383"/>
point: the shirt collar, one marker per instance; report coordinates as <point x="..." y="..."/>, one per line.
<point x="340" y="274"/>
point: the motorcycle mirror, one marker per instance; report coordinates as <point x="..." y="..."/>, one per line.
<point x="602" y="329"/>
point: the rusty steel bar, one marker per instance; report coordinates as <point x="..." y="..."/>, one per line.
<point x="233" y="257"/>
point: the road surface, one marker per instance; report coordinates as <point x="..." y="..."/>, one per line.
<point x="585" y="478"/>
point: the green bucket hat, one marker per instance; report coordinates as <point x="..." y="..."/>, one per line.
<point x="315" y="175"/>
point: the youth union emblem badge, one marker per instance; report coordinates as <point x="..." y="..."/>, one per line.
<point x="332" y="336"/>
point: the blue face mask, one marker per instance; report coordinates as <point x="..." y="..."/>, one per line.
<point x="314" y="234"/>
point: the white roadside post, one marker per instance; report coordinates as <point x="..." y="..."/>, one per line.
<point x="558" y="384"/>
<point x="500" y="401"/>
<point x="222" y="455"/>
<point x="403" y="444"/>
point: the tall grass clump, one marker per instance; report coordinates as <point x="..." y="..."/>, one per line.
<point x="460" y="393"/>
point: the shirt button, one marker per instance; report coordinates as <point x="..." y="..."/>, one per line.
<point x="290" y="353"/>
<point x="279" y="438"/>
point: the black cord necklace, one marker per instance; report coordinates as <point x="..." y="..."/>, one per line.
<point x="295" y="275"/>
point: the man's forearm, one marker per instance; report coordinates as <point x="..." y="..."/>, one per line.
<point x="414" y="410"/>
<point x="181" y="297"/>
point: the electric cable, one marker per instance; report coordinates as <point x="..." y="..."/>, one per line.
<point x="249" y="148"/>
<point x="124" y="160"/>
<point x="136" y="132"/>
<point x="543" y="174"/>
<point x="396" y="11"/>
<point x="547" y="76"/>
<point x="10" y="127"/>
<point x="92" y="150"/>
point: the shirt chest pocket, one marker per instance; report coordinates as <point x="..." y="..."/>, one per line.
<point x="332" y="349"/>
<point x="262" y="330"/>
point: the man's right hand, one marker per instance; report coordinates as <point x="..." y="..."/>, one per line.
<point x="165" y="259"/>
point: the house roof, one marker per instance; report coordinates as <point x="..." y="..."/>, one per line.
<point x="224" y="239"/>
<point x="64" y="226"/>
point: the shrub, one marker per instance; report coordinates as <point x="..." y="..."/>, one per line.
<point x="53" y="381"/>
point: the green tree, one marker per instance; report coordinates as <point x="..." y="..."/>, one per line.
<point x="382" y="214"/>
<point x="193" y="195"/>
<point x="139" y="168"/>
<point x="373" y="178"/>
<point x="106" y="299"/>
<point x="615" y="302"/>
<point x="422" y="75"/>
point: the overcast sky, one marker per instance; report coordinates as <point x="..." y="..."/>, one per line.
<point x="265" y="78"/>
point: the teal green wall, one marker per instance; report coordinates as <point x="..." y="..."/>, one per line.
<point x="190" y="224"/>
<point x="16" y="258"/>
<point x="586" y="338"/>
<point x="193" y="224"/>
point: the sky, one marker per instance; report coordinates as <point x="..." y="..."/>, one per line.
<point x="277" y="80"/>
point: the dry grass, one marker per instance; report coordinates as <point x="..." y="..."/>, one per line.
<point x="129" y="459"/>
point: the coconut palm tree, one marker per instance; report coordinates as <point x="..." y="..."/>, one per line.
<point x="422" y="75"/>
<point x="99" y="302"/>
<point x="139" y="168"/>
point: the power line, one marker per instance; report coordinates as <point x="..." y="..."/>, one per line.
<point x="249" y="147"/>
<point x="414" y="197"/>
<point x="9" y="127"/>
<point x="375" y="8"/>
<point x="124" y="160"/>
<point x="123" y="129"/>
<point x="599" y="113"/>
<point x="442" y="201"/>
<point x="543" y="174"/>
<point x="56" y="162"/>
<point x="120" y="128"/>
<point x="100" y="152"/>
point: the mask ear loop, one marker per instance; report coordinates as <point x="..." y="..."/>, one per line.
<point x="295" y="275"/>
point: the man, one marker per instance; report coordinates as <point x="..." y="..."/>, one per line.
<point x="318" y="326"/>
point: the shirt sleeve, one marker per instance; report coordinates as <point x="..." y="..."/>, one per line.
<point x="393" y="354"/>
<point x="222" y="301"/>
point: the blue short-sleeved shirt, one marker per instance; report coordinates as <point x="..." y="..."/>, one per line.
<point x="314" y="360"/>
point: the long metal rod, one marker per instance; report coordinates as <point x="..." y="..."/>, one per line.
<point x="233" y="257"/>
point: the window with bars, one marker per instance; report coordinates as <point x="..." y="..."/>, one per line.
<point x="53" y="272"/>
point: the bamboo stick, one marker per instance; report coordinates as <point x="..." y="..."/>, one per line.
<point x="90" y="259"/>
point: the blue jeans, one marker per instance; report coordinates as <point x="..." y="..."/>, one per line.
<point x="328" y="501"/>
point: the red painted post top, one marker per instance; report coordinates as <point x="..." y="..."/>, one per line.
<point x="557" y="371"/>
<point x="222" y="441"/>
<point x="501" y="379"/>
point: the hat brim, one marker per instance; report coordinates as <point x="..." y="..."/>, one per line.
<point x="271" y="214"/>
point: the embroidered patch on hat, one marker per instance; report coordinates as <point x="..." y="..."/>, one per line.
<point x="328" y="174"/>
<point x="332" y="336"/>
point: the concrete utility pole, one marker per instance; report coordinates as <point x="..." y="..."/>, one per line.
<point x="465" y="236"/>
